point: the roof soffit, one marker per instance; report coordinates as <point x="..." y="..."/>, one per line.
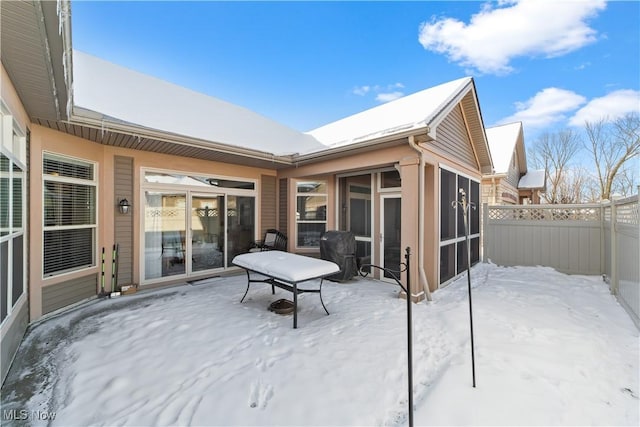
<point x="32" y="54"/>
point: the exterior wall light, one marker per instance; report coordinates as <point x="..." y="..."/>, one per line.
<point x="124" y="206"/>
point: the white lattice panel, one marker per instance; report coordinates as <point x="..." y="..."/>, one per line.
<point x="628" y="214"/>
<point x="539" y="213"/>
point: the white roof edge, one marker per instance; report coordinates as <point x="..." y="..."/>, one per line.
<point x="502" y="140"/>
<point x="146" y="101"/>
<point x="533" y="179"/>
<point x="414" y="111"/>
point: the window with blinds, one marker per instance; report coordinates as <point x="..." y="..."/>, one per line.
<point x="69" y="214"/>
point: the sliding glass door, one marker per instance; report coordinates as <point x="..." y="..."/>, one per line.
<point x="198" y="227"/>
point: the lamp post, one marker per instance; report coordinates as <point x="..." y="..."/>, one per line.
<point x="465" y="215"/>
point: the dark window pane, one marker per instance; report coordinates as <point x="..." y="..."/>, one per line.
<point x="241" y="226"/>
<point x="475" y="250"/>
<point x="475" y="213"/>
<point x="309" y="234"/>
<point x="4" y="279"/>
<point x="447" y="212"/>
<point x="360" y="217"/>
<point x="391" y="179"/>
<point x="4" y="195"/>
<point x="18" y="260"/>
<point x="464" y="184"/>
<point x="363" y="254"/>
<point x="17" y="198"/>
<point x="447" y="262"/>
<point x="461" y="251"/>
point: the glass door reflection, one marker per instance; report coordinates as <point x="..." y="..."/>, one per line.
<point x="207" y="232"/>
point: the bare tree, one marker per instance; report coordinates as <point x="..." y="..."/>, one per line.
<point x="612" y="145"/>
<point x="554" y="152"/>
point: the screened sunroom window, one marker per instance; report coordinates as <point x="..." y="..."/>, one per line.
<point x="69" y="214"/>
<point x="453" y="245"/>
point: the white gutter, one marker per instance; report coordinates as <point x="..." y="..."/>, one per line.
<point x="421" y="203"/>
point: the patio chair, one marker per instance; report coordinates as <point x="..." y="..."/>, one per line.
<point x="274" y="240"/>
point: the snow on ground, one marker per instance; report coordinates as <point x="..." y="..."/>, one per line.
<point x="551" y="349"/>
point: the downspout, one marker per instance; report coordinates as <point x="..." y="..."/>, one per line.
<point x="421" y="203"/>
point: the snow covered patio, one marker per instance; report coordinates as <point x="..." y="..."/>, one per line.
<point x="551" y="349"/>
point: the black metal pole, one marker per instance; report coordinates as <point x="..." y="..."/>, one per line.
<point x="465" y="212"/>
<point x="407" y="290"/>
<point x="409" y="337"/>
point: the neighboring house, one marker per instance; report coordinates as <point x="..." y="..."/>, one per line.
<point x="203" y="178"/>
<point x="511" y="181"/>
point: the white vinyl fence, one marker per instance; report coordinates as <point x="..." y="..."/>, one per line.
<point x="588" y="239"/>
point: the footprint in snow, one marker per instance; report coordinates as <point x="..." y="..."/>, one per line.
<point x="259" y="394"/>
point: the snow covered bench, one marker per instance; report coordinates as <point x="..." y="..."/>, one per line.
<point x="285" y="271"/>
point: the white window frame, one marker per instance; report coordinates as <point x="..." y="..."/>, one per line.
<point x="94" y="226"/>
<point x="13" y="146"/>
<point x="308" y="221"/>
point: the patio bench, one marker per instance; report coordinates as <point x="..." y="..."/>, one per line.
<point x="285" y="271"/>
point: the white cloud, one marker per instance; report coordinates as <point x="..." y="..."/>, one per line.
<point x="495" y="36"/>
<point x="609" y="107"/>
<point x="548" y="106"/>
<point x="389" y="96"/>
<point x="383" y="93"/>
<point x="361" y="90"/>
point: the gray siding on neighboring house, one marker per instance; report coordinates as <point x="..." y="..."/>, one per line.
<point x="123" y="223"/>
<point x="63" y="294"/>
<point x="453" y="138"/>
<point x="282" y="205"/>
<point x="267" y="203"/>
<point x="12" y="337"/>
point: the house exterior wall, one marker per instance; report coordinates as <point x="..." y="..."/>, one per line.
<point x="14" y="325"/>
<point x="452" y="150"/>
<point x="119" y="174"/>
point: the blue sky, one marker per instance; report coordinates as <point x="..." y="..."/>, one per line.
<point x="549" y="64"/>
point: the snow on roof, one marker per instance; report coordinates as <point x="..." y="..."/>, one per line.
<point x="502" y="143"/>
<point x="141" y="100"/>
<point x="533" y="179"/>
<point x="410" y="112"/>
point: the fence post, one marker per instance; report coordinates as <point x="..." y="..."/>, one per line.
<point x="485" y="221"/>
<point x="613" y="286"/>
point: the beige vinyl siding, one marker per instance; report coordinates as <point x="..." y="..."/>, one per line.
<point x="123" y="223"/>
<point x="66" y="293"/>
<point x="513" y="177"/>
<point x="283" y="206"/>
<point x="453" y="139"/>
<point x="267" y="203"/>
